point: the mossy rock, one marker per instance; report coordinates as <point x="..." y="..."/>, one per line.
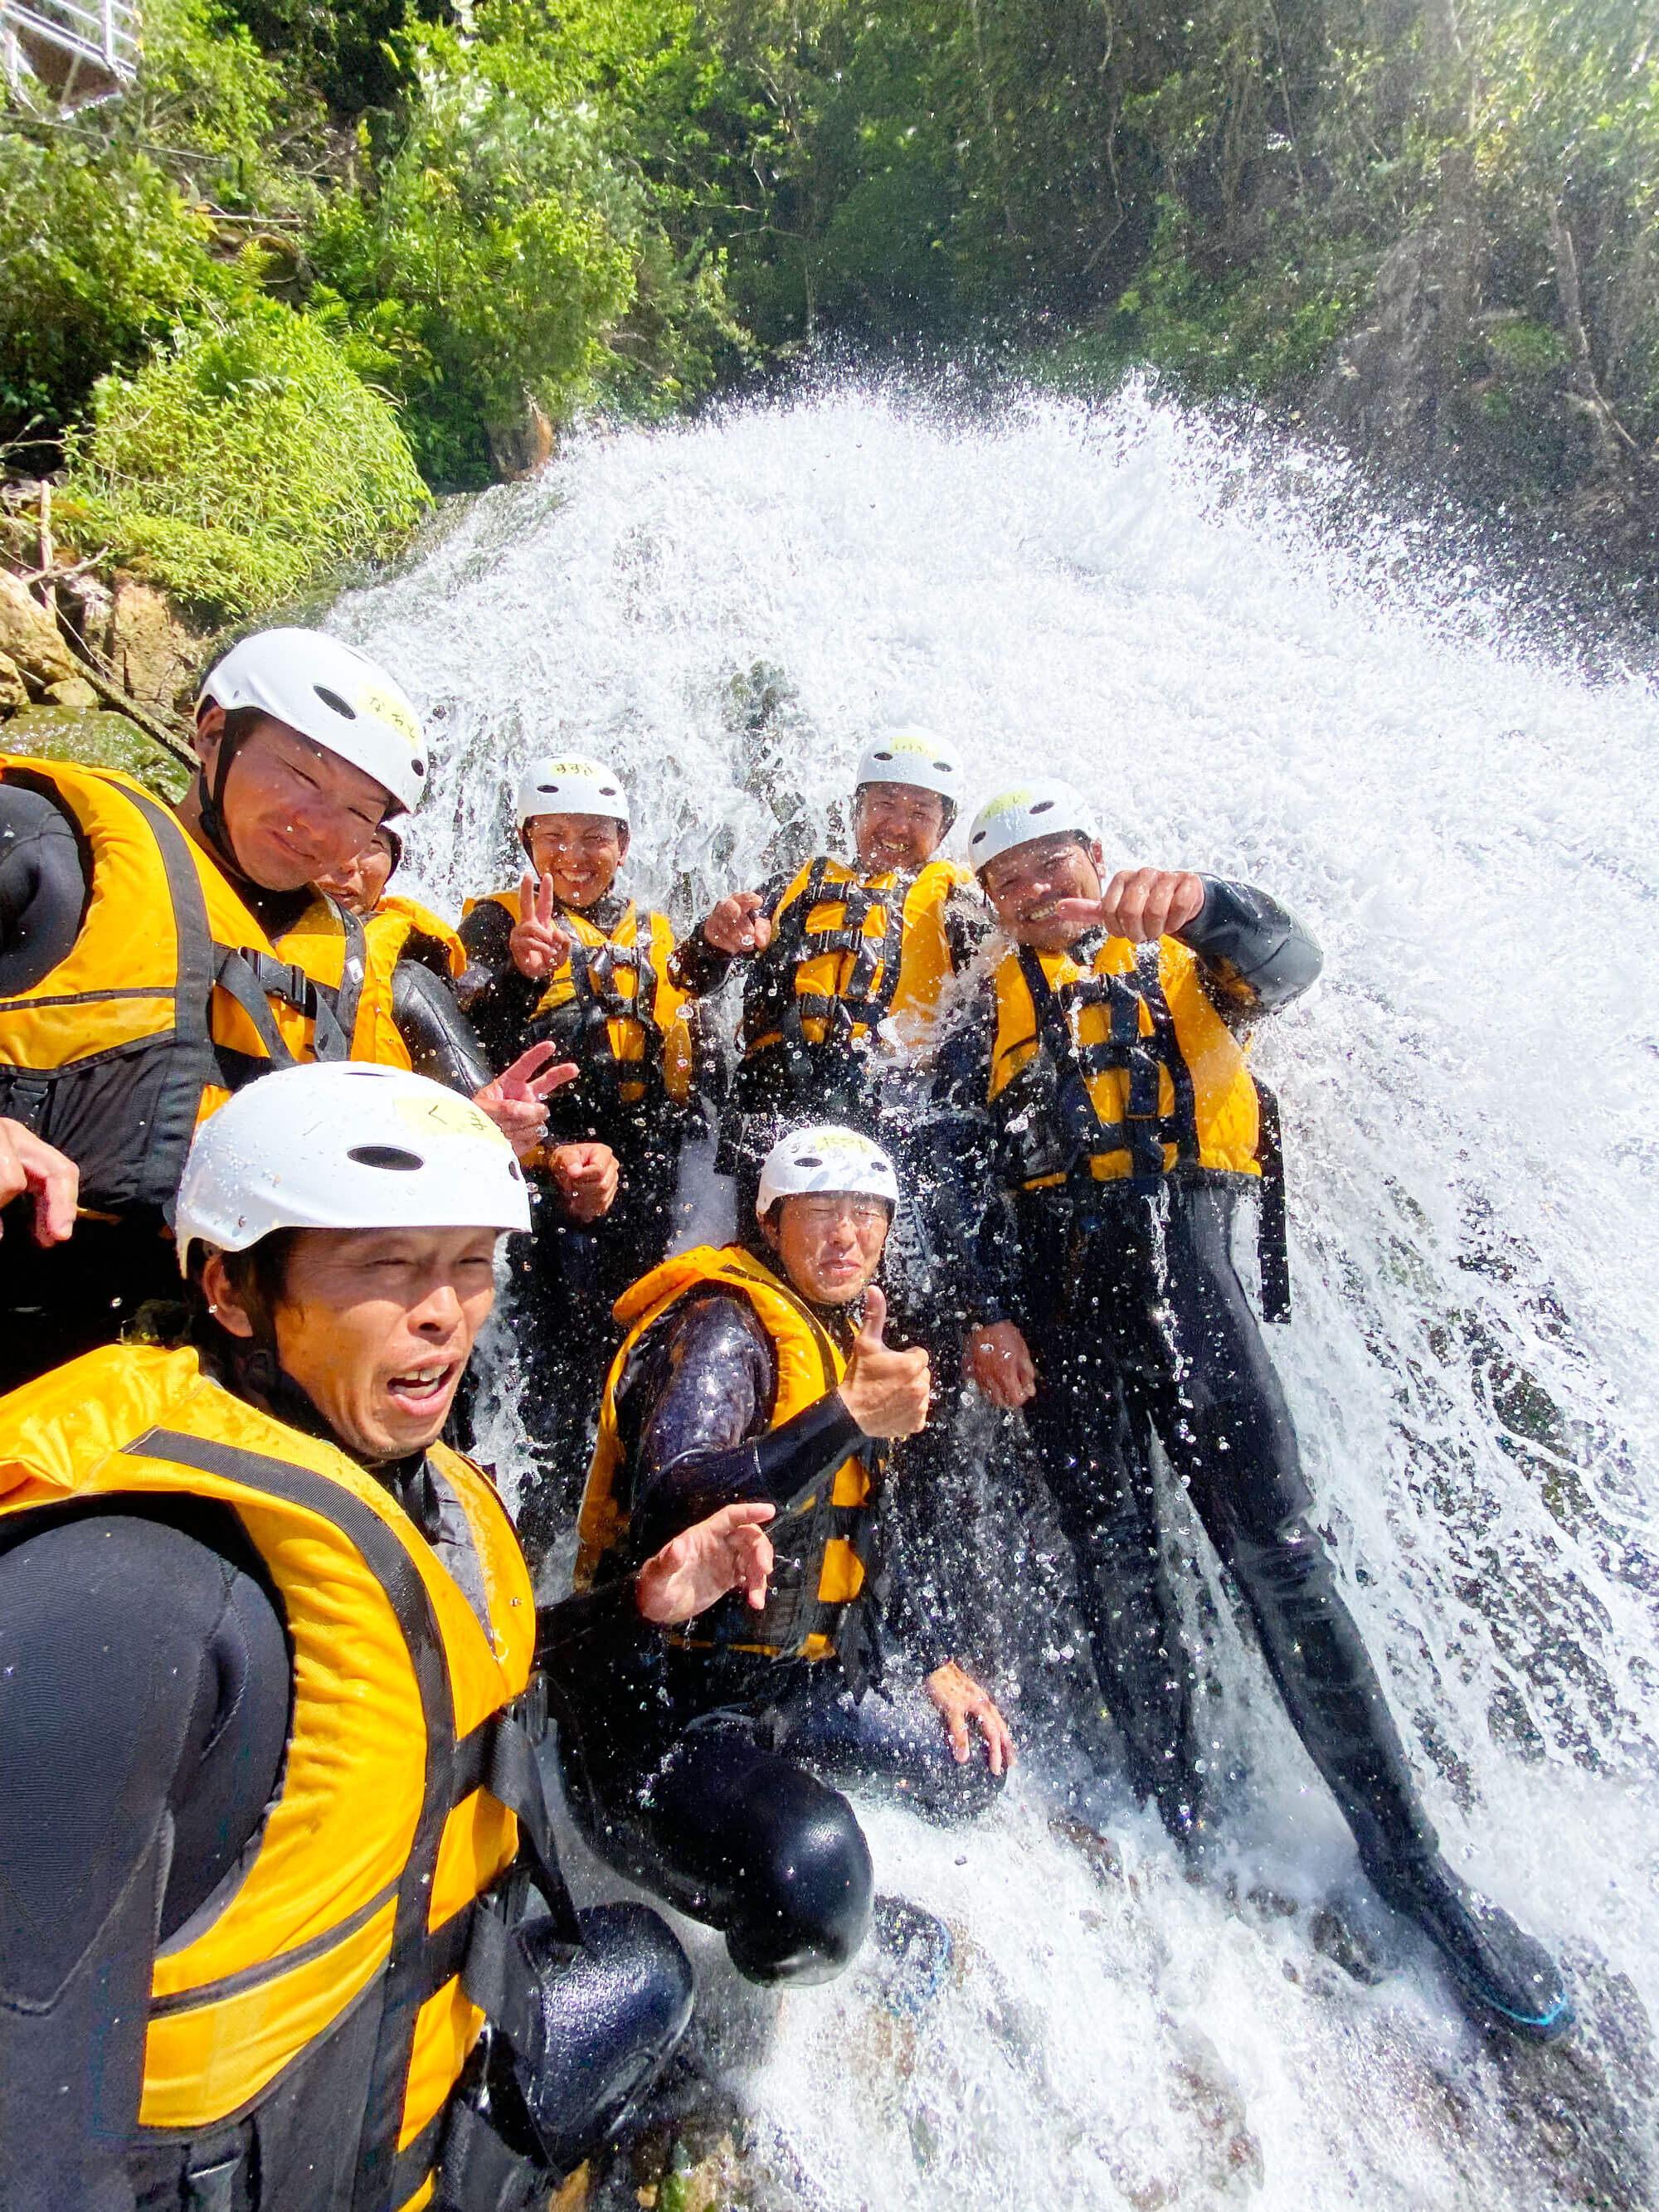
<point x="96" y="739"/>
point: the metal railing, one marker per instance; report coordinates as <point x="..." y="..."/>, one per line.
<point x="67" y="54"/>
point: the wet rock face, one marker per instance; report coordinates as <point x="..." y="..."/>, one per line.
<point x="29" y="638"/>
<point x="143" y="639"/>
<point x="95" y="740"/>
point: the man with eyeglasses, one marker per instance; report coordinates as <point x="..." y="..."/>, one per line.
<point x="153" y="960"/>
<point x="703" y="1762"/>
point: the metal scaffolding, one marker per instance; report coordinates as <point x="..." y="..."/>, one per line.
<point x="65" y="54"/>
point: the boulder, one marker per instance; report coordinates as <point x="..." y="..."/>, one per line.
<point x="14" y="692"/>
<point x="520" y="446"/>
<point x="146" y="645"/>
<point x="29" y="636"/>
<point x="73" y="691"/>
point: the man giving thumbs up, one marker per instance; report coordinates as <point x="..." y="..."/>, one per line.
<point x="710" y="1754"/>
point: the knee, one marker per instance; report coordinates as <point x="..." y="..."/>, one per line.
<point x="804" y="1907"/>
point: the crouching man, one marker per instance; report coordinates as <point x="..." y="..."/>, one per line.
<point x="271" y="1818"/>
<point x="705" y="1758"/>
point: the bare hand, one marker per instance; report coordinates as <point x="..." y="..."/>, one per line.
<point x="960" y="1699"/>
<point x="737" y="925"/>
<point x="515" y="1100"/>
<point x="538" y="945"/>
<point x="1142" y="904"/>
<point x="727" y="1552"/>
<point x="997" y="1362"/>
<point x="28" y="1163"/>
<point x="586" y="1178"/>
<point x="885" y="1392"/>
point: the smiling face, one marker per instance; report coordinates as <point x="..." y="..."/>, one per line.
<point x="294" y="810"/>
<point x="831" y="1243"/>
<point x="375" y="1326"/>
<point x="361" y="884"/>
<point x="580" y="852"/>
<point x="1025" y="884"/>
<point x="896" y="825"/>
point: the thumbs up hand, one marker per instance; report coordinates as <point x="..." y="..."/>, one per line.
<point x="538" y="945"/>
<point x="886" y="1392"/>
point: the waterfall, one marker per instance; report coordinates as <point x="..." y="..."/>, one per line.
<point x="1251" y="672"/>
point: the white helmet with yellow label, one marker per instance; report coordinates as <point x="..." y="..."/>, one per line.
<point x="332" y="694"/>
<point x="1044" y="807"/>
<point x="914" y="757"/>
<point x="825" y="1157"/>
<point x="568" y="783"/>
<point x="346" y="1146"/>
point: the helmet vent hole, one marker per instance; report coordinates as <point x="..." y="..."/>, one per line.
<point x="1043" y="806"/>
<point x="809" y="1160"/>
<point x="386" y="1156"/>
<point x="333" y="699"/>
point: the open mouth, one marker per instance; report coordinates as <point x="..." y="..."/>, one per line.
<point x="422" y="1389"/>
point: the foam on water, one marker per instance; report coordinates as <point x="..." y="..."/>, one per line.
<point x="1131" y="597"/>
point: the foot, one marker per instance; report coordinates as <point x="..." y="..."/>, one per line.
<point x="913" y="1950"/>
<point x="1499" y="1966"/>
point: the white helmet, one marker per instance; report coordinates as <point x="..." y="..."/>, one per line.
<point x="346" y="1146"/>
<point x="1042" y="808"/>
<point x="917" y="756"/>
<point x="824" y="1159"/>
<point x="331" y="693"/>
<point x="566" y="784"/>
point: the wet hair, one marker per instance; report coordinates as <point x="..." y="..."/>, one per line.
<point x="259" y="1278"/>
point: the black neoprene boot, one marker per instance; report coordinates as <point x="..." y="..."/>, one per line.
<point x="1501" y="1967"/>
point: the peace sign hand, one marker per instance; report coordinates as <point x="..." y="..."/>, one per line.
<point x="538" y="945"/>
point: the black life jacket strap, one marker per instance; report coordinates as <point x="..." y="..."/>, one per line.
<point x="253" y="978"/>
<point x="1273" y="1232"/>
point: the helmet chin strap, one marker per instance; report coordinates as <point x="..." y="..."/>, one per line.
<point x="216" y="830"/>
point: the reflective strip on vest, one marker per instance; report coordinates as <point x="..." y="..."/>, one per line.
<point x="1119" y="1068"/>
<point x="822" y="1538"/>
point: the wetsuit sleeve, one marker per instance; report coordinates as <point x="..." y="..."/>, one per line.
<point x="441" y="1043"/>
<point x="142" y="1732"/>
<point x="500" y="1002"/>
<point x="1257" y="957"/>
<point x="968" y="922"/>
<point x="699" y="967"/>
<point x="704" y="1442"/>
<point x="43" y="888"/>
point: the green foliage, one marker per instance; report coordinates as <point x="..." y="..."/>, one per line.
<point x="242" y="462"/>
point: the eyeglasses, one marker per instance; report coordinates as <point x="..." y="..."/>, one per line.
<point x="862" y="1212"/>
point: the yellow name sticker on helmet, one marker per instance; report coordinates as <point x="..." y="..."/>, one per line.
<point x="387" y="706"/>
<point x="448" y="1116"/>
<point x="1006" y="803"/>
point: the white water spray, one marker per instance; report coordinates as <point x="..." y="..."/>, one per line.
<point x="1131" y="599"/>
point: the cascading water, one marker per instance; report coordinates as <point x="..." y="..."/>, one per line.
<point x="1134" y="598"/>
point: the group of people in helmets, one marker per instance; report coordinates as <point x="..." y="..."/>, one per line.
<point x="283" y="1925"/>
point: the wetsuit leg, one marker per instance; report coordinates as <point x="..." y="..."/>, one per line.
<point x="1095" y="1462"/>
<point x="894" y="1744"/>
<point x="1194" y="1359"/>
<point x="142" y="1721"/>
<point x="737" y="1835"/>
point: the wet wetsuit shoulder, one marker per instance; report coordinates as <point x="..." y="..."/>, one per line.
<point x="44" y="887"/>
<point x="440" y="1039"/>
<point x="696" y="1406"/>
<point x="1256" y="955"/>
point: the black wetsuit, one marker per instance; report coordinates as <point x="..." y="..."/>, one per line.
<point x="143" y="1718"/>
<point x="566" y="1275"/>
<point x="56" y="1304"/>
<point x="705" y="1774"/>
<point x="1139" y="1327"/>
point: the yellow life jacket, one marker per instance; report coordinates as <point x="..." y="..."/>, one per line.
<point x="171" y="996"/>
<point x="396" y="919"/>
<point x="822" y="1540"/>
<point x="351" y="1939"/>
<point x="613" y="1007"/>
<point x="850" y="950"/>
<point x="1119" y="1066"/>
